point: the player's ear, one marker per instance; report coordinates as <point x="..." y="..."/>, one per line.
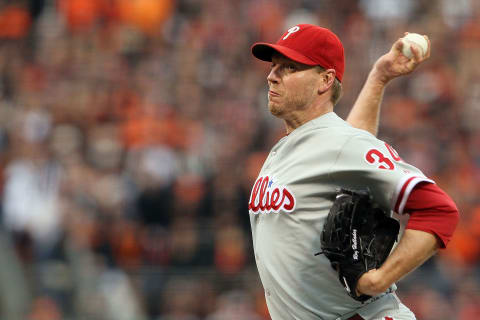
<point x="326" y="81"/>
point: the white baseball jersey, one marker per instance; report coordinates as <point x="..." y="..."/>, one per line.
<point x="291" y="199"/>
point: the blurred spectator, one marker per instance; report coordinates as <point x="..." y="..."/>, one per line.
<point x="15" y="20"/>
<point x="388" y="11"/>
<point x="32" y="181"/>
<point x="234" y="305"/>
<point x="180" y="300"/>
<point x="44" y="308"/>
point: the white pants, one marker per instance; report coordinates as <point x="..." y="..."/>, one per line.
<point x="402" y="313"/>
<point x="391" y="308"/>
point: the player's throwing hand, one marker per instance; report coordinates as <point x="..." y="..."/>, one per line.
<point x="394" y="64"/>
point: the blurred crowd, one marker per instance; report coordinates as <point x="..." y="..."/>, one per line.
<point x="131" y="132"/>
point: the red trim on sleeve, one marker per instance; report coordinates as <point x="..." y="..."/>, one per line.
<point x="432" y="210"/>
<point x="404" y="188"/>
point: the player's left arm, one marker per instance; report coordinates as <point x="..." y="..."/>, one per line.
<point x="365" y="112"/>
<point x="433" y="218"/>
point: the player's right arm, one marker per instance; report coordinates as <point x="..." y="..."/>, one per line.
<point x="365" y="113"/>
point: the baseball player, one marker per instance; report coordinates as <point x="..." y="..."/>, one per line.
<point x="320" y="153"/>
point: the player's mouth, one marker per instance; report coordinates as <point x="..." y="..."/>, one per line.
<point x="273" y="94"/>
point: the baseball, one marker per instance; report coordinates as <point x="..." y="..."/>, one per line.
<point x="417" y="40"/>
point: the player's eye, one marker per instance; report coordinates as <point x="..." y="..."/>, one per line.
<point x="291" y="67"/>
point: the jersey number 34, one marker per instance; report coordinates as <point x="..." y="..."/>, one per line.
<point x="376" y="157"/>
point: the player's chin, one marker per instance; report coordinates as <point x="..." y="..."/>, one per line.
<point x="275" y="109"/>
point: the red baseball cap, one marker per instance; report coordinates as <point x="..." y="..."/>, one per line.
<point x="307" y="44"/>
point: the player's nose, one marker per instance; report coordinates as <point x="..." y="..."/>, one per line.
<point x="273" y="76"/>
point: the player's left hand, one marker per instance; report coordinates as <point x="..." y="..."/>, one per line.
<point x="372" y="283"/>
<point x="394" y="64"/>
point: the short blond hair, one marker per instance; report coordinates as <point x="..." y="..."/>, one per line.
<point x="336" y="87"/>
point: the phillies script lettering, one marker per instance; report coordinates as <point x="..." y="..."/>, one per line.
<point x="267" y="198"/>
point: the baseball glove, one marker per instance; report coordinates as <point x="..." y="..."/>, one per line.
<point x="357" y="237"/>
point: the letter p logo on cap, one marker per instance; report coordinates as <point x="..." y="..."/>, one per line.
<point x="290" y="31"/>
